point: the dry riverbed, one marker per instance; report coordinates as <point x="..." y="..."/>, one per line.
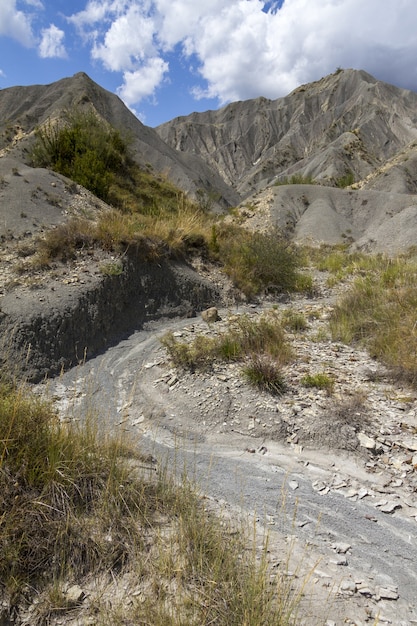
<point x="332" y="477"/>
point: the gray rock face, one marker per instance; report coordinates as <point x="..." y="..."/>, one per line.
<point x="43" y="332"/>
<point x="345" y="122"/>
<point x="347" y="129"/>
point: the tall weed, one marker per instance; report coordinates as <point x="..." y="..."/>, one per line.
<point x="378" y="311"/>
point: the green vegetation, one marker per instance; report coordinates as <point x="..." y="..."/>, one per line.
<point x="260" y="262"/>
<point x="84" y="149"/>
<point x="294" y="320"/>
<point x="321" y="380"/>
<point x="77" y="505"/>
<point x="378" y="311"/>
<point x="244" y="338"/>
<point x="264" y="373"/>
<point x="378" y="307"/>
<point x="346" y="180"/>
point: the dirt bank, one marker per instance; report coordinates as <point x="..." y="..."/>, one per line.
<point x="50" y="326"/>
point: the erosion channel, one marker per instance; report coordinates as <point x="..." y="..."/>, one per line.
<point x="337" y="492"/>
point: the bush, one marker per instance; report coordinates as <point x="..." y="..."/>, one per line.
<point x="258" y="262"/>
<point x="265" y="374"/>
<point x="83" y="148"/>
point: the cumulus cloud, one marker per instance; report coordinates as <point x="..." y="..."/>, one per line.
<point x="51" y="45"/>
<point x="15" y="23"/>
<point x="141" y="83"/>
<point x="127" y="42"/>
<point x="246" y="48"/>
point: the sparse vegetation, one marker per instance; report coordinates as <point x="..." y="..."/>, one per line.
<point x="379" y="312"/>
<point x="320" y="380"/>
<point x="75" y="505"/>
<point x="295" y="179"/>
<point x="245" y="337"/>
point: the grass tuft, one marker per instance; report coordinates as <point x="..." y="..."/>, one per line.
<point x="75" y="507"/>
<point x="245" y="336"/>
<point x="321" y="380"/>
<point x="265" y="374"/>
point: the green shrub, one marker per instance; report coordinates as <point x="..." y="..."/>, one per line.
<point x="259" y="262"/>
<point x="83" y="148"/>
<point x="346" y="180"/>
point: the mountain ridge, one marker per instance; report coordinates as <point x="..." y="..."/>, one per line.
<point x="322" y="130"/>
<point x="347" y="130"/>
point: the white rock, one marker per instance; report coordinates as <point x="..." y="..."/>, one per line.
<point x="210" y="315"/>
<point x="74" y="595"/>
<point x="341" y="548"/>
<point x="347" y="586"/>
<point x="410" y="444"/>
<point x="390" y="507"/>
<point x="387" y="593"/>
<point x="366" y="442"/>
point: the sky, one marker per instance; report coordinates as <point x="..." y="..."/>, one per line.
<point x="166" y="58"/>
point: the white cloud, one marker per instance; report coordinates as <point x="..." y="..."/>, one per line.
<point x="142" y="82"/>
<point x="15" y="24"/>
<point x="241" y="51"/>
<point x="128" y="40"/>
<point x="51" y="45"/>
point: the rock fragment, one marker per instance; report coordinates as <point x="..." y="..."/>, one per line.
<point x="366" y="442"/>
<point x="210" y="315"/>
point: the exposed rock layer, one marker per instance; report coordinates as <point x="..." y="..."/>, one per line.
<point x="44" y="331"/>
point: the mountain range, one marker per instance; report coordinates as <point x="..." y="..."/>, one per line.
<point x="334" y="161"/>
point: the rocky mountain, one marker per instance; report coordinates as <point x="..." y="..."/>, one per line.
<point x="23" y="109"/>
<point x="352" y="138"/>
<point x="346" y="124"/>
<point x="351" y="135"/>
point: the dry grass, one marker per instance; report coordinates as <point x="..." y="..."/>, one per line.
<point x="245" y="337"/>
<point x="75" y="507"/>
<point x="378" y="311"/>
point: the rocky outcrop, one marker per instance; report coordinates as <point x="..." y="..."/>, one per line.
<point x="347" y="122"/>
<point x="45" y="331"/>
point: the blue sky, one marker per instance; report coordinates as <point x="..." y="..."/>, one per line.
<point x="166" y="58"/>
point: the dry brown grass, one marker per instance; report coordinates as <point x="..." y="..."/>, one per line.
<point x="76" y="506"/>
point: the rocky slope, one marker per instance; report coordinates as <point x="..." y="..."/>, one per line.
<point x="23" y="109"/>
<point x="346" y="129"/>
<point x="345" y="122"/>
<point x="332" y="475"/>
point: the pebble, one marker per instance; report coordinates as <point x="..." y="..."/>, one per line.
<point x="341" y="548"/>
